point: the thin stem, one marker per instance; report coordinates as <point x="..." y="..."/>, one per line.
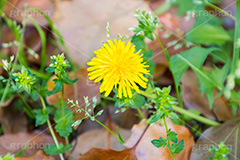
<point x="220" y="10"/>
<point x="236" y="49"/>
<point x="28" y="108"/>
<point x="185" y="112"/>
<point x="169" y="145"/>
<point x="63" y="113"/>
<point x="171" y="68"/>
<point x="51" y="129"/>
<point x="140" y="113"/>
<point x="110" y="131"/>
<point x="196" y="117"/>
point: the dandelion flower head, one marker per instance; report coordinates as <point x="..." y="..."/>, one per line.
<point x="118" y="66"/>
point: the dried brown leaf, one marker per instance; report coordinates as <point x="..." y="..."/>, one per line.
<point x="83" y="23"/>
<point x="193" y="99"/>
<point x="145" y="150"/>
<point x="99" y="138"/>
<point x="14" y="143"/>
<point x="228" y="133"/>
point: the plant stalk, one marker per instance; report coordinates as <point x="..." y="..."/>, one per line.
<point x="185" y="112"/>
<point x="109" y="131"/>
<point x="63" y="113"/>
<point x="171" y="68"/>
<point x="236" y="46"/>
<point x="220" y="10"/>
<point x="51" y="129"/>
<point x="169" y="145"/>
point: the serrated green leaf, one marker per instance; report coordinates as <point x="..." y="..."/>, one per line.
<point x="217" y="78"/>
<point x="53" y="149"/>
<point x="156" y="117"/>
<point x="42" y="116"/>
<point x="57" y="88"/>
<point x="34" y="95"/>
<point x="172" y="136"/>
<point x="161" y="142"/>
<point x="208" y="34"/>
<point x="178" y="147"/>
<point x="192" y="57"/>
<point x="64" y="122"/>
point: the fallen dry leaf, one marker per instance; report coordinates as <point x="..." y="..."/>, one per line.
<point x="145" y="150"/>
<point x="83" y="23"/>
<point x="109" y="154"/>
<point x="193" y="99"/>
<point x="38" y="156"/>
<point x="32" y="38"/>
<point x="83" y="87"/>
<point x="99" y="138"/>
<point x="14" y="143"/>
<point x="228" y="133"/>
<point x="12" y="121"/>
<point x="15" y="9"/>
<point x="139" y="146"/>
<point x="7" y="37"/>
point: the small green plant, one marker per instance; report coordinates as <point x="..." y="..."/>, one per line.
<point x="163" y="105"/>
<point x="89" y="113"/>
<point x="7" y="157"/>
<point x="220" y="152"/>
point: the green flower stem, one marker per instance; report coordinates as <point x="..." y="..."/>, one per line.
<point x="51" y="129"/>
<point x="122" y="142"/>
<point x="219" y="9"/>
<point x="171" y="68"/>
<point x="66" y="138"/>
<point x="169" y="145"/>
<point x="185" y="112"/>
<point x="236" y="49"/>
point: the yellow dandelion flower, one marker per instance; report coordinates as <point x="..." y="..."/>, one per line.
<point x="118" y="66"/>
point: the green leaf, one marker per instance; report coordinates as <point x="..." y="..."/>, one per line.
<point x="156" y="117"/>
<point x="172" y="136"/>
<point x="137" y="101"/>
<point x="208" y="35"/>
<point x="64" y="122"/>
<point x="57" y="88"/>
<point x="161" y="142"/>
<point x="177" y="147"/>
<point x="50" y="69"/>
<point x="42" y="116"/>
<point x="193" y="57"/>
<point x="22" y="150"/>
<point x="34" y="95"/>
<point x="217" y="78"/>
<point x="53" y="149"/>
<point x="44" y="42"/>
<point x="120" y="138"/>
<point x="185" y="6"/>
